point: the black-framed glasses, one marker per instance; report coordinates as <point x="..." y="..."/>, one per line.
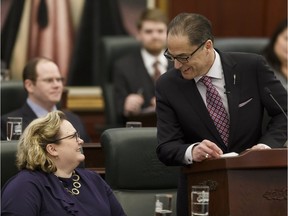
<point x="74" y="135"/>
<point x="182" y="59"/>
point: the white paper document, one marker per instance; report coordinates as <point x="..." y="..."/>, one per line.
<point x="230" y="154"/>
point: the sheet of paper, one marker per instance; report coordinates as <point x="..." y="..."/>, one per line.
<point x="230" y="154"/>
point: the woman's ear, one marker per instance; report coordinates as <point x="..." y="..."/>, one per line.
<point x="51" y="149"/>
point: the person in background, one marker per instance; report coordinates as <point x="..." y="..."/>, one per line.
<point x="276" y="52"/>
<point x="44" y="85"/>
<point x="134" y="74"/>
<point x="212" y="102"/>
<point x="49" y="182"/>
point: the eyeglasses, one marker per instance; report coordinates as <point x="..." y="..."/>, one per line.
<point x="51" y="80"/>
<point x="182" y="59"/>
<point x="74" y="135"/>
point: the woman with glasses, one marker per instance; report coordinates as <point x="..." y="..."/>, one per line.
<point x="49" y="182"/>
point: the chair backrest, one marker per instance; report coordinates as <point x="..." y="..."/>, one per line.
<point x="133" y="170"/>
<point x="13" y="96"/>
<point x="250" y="45"/>
<point x="111" y="116"/>
<point x="113" y="47"/>
<point x="8" y="160"/>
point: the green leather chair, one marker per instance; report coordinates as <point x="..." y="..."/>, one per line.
<point x="133" y="170"/>
<point x="241" y="44"/>
<point x="8" y="160"/>
<point x="13" y="96"/>
<point x="113" y="47"/>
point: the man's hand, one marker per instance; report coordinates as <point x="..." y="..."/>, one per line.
<point x="133" y="104"/>
<point x="206" y="149"/>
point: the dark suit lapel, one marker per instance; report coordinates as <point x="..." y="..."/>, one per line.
<point x="28" y="115"/>
<point x="232" y="80"/>
<point x="142" y="74"/>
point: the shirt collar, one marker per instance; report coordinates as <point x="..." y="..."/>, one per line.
<point x="38" y="110"/>
<point x="216" y="70"/>
<point x="150" y="59"/>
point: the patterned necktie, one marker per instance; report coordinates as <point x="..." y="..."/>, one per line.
<point x="216" y="109"/>
<point x="157" y="72"/>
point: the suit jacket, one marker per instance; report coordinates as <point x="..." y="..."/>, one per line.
<point x="130" y="76"/>
<point x="28" y="115"/>
<point x="183" y="119"/>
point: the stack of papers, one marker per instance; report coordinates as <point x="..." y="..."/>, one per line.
<point x="230" y="154"/>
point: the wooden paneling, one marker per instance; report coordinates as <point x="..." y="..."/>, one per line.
<point x="236" y="18"/>
<point x="88" y="104"/>
<point x="94" y="122"/>
<point x="274" y="14"/>
<point x="94" y="158"/>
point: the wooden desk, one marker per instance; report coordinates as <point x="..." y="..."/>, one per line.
<point x="94" y="157"/>
<point x="253" y="183"/>
<point x="147" y="119"/>
<point x="87" y="103"/>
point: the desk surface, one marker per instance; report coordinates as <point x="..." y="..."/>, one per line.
<point x="266" y="158"/>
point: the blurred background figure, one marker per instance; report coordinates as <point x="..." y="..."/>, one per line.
<point x="135" y="74"/>
<point x="276" y="52"/>
<point x="44" y="84"/>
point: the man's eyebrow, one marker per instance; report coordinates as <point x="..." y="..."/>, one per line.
<point x="179" y="55"/>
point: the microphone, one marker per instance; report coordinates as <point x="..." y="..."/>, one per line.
<point x="268" y="91"/>
<point x="226" y="91"/>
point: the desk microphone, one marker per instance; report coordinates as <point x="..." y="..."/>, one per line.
<point x="268" y="91"/>
<point x="226" y="91"/>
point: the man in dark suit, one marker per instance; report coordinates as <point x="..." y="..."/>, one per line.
<point x="44" y="85"/>
<point x="135" y="73"/>
<point x="242" y="83"/>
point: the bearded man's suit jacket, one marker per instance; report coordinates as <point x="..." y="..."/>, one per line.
<point x="131" y="76"/>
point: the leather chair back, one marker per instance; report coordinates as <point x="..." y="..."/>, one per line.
<point x="13" y="96"/>
<point x="249" y="45"/>
<point x="8" y="160"/>
<point x="133" y="170"/>
<point x="113" y="47"/>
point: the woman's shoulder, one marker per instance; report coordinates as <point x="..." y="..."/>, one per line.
<point x="27" y="176"/>
<point x="24" y="180"/>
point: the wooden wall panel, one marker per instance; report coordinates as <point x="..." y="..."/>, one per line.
<point x="276" y="12"/>
<point x="238" y="18"/>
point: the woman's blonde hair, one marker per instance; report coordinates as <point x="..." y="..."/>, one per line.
<point x="32" y="152"/>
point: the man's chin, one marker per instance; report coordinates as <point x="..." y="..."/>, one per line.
<point x="56" y="100"/>
<point x="155" y="50"/>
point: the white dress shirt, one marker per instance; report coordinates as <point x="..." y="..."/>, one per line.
<point x="217" y="75"/>
<point x="149" y="60"/>
<point x="38" y="110"/>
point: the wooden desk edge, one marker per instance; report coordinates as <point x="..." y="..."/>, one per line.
<point x="268" y="158"/>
